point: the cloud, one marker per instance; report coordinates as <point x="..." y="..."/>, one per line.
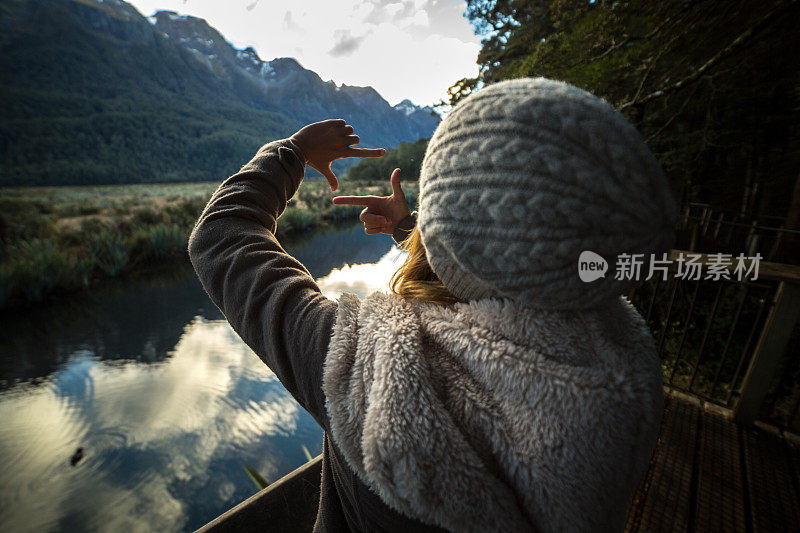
<point x="289" y="23"/>
<point x="410" y="49"/>
<point x="345" y="43"/>
<point x="419" y="18"/>
<point x="388" y="11"/>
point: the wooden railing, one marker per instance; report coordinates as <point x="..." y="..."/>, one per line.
<point x="702" y="228"/>
<point x="696" y="335"/>
<point x="289" y="504"/>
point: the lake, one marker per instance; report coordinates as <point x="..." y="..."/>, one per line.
<point x="166" y="403"/>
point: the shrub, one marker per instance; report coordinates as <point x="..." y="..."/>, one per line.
<point x="186" y="210"/>
<point x="345" y="212"/>
<point x="146" y="216"/>
<point x="35" y="268"/>
<point x="296" y="219"/>
<point x="109" y="252"/>
<point x="157" y="242"/>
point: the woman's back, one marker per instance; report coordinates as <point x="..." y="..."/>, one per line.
<point x="490" y="416"/>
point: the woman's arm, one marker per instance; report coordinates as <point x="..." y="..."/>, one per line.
<point x="269" y="298"/>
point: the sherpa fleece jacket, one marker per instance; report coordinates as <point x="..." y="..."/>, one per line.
<point x="480" y="416"/>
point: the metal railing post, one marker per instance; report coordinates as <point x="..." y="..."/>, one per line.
<point x="771" y="347"/>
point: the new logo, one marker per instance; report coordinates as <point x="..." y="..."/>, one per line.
<point x="591" y="266"/>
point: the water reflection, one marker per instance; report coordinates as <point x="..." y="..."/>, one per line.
<point x="362" y="279"/>
<point x="166" y="401"/>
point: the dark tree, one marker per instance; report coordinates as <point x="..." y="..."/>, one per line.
<point x="713" y="86"/>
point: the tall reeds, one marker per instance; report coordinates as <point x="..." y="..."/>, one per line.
<point x="61" y="239"/>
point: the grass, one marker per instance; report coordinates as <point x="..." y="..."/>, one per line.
<point x="60" y="239"/>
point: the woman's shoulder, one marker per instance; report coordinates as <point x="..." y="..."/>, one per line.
<point x="351" y="306"/>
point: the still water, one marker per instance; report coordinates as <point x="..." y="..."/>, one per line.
<point x="166" y="402"/>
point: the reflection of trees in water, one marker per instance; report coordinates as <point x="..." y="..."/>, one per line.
<point x="139" y="318"/>
<point x="143" y="317"/>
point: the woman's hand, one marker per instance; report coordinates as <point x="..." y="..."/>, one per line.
<point x="382" y="213"/>
<point x="323" y="142"/>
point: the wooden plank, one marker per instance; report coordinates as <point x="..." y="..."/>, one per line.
<point x="636" y="505"/>
<point x="774" y="502"/>
<point x="766" y="270"/>
<point x="289" y="504"/>
<point x="793" y="450"/>
<point x="720" y="501"/>
<point x="668" y="505"/>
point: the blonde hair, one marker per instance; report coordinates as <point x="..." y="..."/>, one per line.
<point x="415" y="280"/>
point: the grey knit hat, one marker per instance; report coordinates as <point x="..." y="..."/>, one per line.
<point x="524" y="175"/>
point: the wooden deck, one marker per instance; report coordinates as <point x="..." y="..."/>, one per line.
<point x="709" y="474"/>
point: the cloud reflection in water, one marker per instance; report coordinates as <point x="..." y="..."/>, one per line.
<point x="152" y="434"/>
<point x="362" y="279"/>
<point x="164" y="442"/>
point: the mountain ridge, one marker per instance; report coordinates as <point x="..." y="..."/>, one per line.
<point x="167" y="96"/>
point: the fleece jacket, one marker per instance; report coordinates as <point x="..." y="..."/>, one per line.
<point x="481" y="416"/>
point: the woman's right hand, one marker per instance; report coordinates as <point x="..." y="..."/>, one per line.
<point x="382" y="213"/>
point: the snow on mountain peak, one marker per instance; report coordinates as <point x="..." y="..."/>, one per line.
<point x="406" y="106"/>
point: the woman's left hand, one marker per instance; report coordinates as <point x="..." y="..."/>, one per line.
<point x="323" y="142"/>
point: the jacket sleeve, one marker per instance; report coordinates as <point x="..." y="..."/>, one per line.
<point x="269" y="297"/>
<point x="404" y="228"/>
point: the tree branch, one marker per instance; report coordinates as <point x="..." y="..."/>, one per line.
<point x="725" y="52"/>
<point x="672" y="118"/>
<point x="628" y="38"/>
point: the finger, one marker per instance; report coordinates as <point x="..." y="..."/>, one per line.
<point x="364" y="152"/>
<point x="348" y="129"/>
<point x="373" y="230"/>
<point x="395" y="180"/>
<point x="372" y="219"/>
<point x="351" y="140"/>
<point x="329" y="175"/>
<point x="336" y="121"/>
<point x="369" y="201"/>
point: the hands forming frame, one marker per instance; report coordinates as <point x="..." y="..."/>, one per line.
<point x="322" y="143"/>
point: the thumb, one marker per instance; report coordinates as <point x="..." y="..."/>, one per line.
<point x="395" y="180"/>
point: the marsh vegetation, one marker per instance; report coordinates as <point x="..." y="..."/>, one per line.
<point x="61" y="239"/>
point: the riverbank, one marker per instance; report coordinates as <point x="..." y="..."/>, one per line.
<point x="55" y="240"/>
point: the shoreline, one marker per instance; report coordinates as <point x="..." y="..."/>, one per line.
<point x="73" y="240"/>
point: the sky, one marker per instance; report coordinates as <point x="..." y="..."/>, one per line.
<point x="412" y="49"/>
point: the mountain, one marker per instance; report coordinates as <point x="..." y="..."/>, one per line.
<point x="284" y="86"/>
<point x="93" y="92"/>
<point x="425" y="116"/>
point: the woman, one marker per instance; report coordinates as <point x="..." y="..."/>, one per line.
<point x="493" y="390"/>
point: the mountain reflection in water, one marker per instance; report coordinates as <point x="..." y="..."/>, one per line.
<point x="166" y="402"/>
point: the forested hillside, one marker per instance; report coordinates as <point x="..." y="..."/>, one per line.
<point x="95" y="93"/>
<point x="407" y="157"/>
<point x="714" y="86"/>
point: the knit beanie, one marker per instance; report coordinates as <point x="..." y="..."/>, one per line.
<point x="524" y="175"/>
